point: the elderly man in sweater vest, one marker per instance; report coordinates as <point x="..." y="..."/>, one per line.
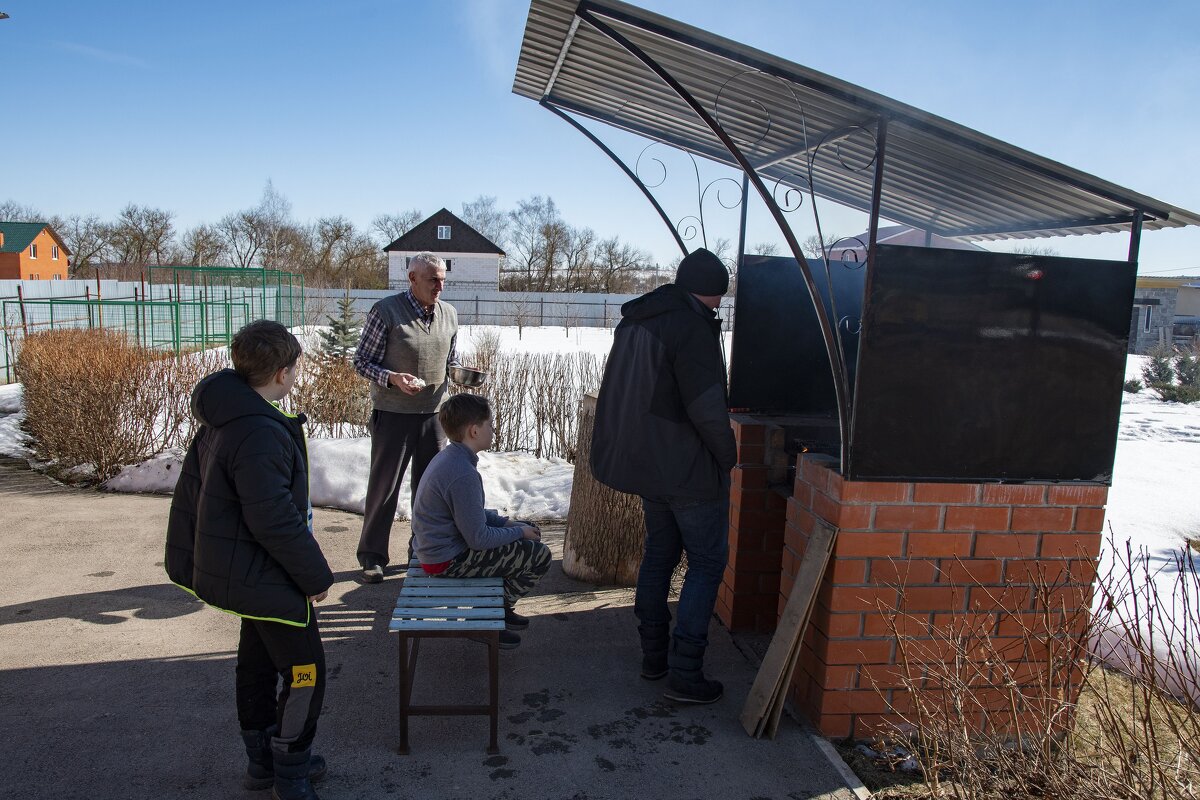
<point x="406" y="350"/>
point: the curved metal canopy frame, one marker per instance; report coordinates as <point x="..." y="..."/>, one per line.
<point x="1035" y="194"/>
<point x="829" y="332"/>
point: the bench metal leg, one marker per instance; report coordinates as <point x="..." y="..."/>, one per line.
<point x="407" y="672"/>
<point x="493" y="690"/>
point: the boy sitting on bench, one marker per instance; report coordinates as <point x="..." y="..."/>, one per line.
<point x="454" y="535"/>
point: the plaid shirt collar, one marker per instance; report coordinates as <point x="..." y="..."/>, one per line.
<point x="425" y="313"/>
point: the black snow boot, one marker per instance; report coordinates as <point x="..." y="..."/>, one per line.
<point x="655" y="639"/>
<point x="291" y="773"/>
<point x="686" y="683"/>
<point x="260" y="767"/>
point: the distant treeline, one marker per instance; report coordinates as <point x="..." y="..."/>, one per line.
<point x="544" y="252"/>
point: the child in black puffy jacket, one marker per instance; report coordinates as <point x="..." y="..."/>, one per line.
<point x="240" y="538"/>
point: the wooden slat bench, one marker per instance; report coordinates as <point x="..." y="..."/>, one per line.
<point x="432" y="607"/>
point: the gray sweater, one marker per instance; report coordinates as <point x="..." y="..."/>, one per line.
<point x="448" y="515"/>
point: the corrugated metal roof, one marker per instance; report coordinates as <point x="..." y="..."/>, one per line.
<point x="938" y="176"/>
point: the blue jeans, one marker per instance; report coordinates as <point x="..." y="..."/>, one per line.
<point x="701" y="529"/>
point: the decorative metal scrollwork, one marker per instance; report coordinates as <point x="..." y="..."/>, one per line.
<point x="637" y="167"/>
<point x="751" y="143"/>
<point x="653" y="172"/>
<point x="850" y="324"/>
<point x="841" y="138"/>
<point x="688" y="231"/>
<point x="793" y="196"/>
<point x="850" y="256"/>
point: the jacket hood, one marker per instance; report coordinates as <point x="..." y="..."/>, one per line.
<point x="224" y="396"/>
<point x="666" y="298"/>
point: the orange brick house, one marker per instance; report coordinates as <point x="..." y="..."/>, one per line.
<point x="31" y="251"/>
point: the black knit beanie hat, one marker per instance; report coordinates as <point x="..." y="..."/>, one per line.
<point x="702" y="272"/>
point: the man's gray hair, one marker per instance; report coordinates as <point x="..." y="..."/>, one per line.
<point x="426" y="259"/>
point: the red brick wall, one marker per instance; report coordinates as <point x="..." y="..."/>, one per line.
<point x="749" y="593"/>
<point x="963" y="552"/>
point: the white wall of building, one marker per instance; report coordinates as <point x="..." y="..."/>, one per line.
<point x="467" y="270"/>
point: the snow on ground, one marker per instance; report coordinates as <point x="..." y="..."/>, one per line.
<point x="10" y="398"/>
<point x="516" y="484"/>
<point x="1153" y="503"/>
<point x="1154" y="506"/>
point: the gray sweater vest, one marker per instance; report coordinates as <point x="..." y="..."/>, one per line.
<point x="412" y="349"/>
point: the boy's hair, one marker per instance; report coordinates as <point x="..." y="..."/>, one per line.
<point x="461" y="411"/>
<point x="261" y="349"/>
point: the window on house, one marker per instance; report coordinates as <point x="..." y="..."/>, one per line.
<point x="443" y="231"/>
<point x="449" y="264"/>
<point x="57" y="277"/>
<point x="54" y="252"/>
<point x="1146" y="324"/>
<point x="33" y="251"/>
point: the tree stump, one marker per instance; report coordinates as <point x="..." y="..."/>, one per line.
<point x="605" y="528"/>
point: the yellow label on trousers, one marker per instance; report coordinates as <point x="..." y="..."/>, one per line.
<point x="304" y="675"/>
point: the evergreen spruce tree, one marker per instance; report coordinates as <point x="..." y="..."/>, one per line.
<point x="341" y="339"/>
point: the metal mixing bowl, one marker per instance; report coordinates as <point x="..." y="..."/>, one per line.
<point x="465" y="376"/>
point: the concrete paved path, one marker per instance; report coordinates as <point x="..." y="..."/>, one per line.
<point x="116" y="684"/>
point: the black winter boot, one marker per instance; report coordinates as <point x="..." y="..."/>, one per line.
<point x="686" y="683"/>
<point x="291" y="773"/>
<point x="655" y="639"/>
<point x="514" y="621"/>
<point x="260" y="768"/>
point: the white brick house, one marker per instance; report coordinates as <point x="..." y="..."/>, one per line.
<point x="472" y="260"/>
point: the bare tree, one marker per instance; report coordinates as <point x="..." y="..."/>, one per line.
<point x="87" y="239"/>
<point x="274" y="212"/>
<point x="1036" y="250"/>
<point x="530" y="225"/>
<point x="244" y="233"/>
<point x="391" y="227"/>
<point x="811" y="246"/>
<point x="12" y="211"/>
<point x="201" y="246"/>
<point x="344" y="256"/>
<point x="577" y="254"/>
<point x="618" y="265"/>
<point x="141" y="235"/>
<point x="765" y="249"/>
<point x="483" y="215"/>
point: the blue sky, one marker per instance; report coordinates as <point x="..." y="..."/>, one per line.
<point x="362" y="107"/>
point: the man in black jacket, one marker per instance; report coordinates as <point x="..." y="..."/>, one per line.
<point x="662" y="432"/>
<point x="240" y="538"/>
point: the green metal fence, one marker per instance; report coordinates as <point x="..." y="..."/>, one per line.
<point x="179" y="309"/>
<point x="279" y="295"/>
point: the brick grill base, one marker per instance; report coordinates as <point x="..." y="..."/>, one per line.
<point x="964" y="552"/>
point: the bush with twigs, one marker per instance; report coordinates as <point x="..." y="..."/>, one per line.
<point x="980" y="722"/>
<point x="95" y="402"/>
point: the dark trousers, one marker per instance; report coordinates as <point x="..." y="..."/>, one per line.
<point x="396" y="439"/>
<point x="521" y="564"/>
<point x="267" y="652"/>
<point x="675" y="525"/>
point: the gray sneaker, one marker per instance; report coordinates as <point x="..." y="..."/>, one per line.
<point x="372" y="574"/>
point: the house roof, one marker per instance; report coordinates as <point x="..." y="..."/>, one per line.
<point x="938" y="175"/>
<point x="19" y="235"/>
<point x="463" y="238"/>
